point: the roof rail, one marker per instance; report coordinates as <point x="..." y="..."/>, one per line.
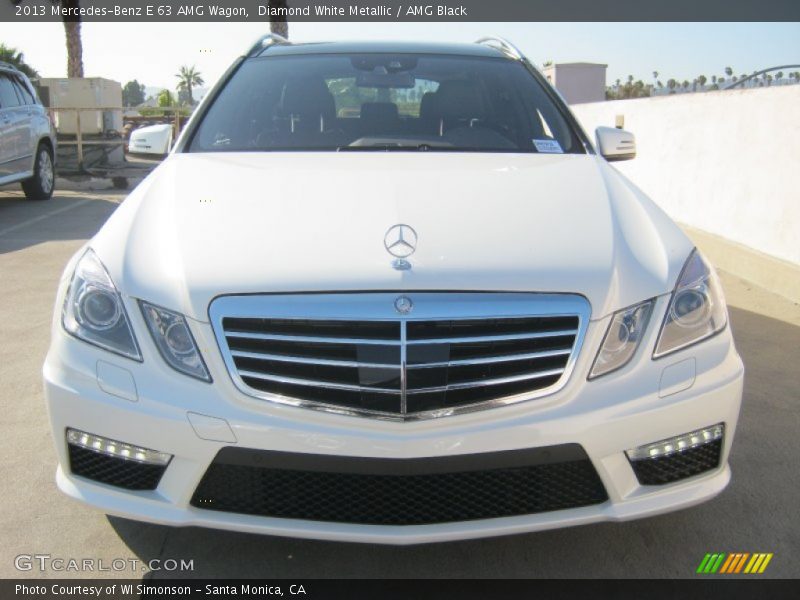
<point x="265" y="41"/>
<point x="8" y="65"/>
<point x="503" y="45"/>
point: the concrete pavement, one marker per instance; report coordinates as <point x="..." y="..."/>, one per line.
<point x="757" y="513"/>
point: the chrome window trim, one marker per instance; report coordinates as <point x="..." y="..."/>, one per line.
<point x="379" y="306"/>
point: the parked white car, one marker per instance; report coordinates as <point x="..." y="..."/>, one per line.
<point x="153" y="139"/>
<point x="27" y="137"/>
<point x="390" y="293"/>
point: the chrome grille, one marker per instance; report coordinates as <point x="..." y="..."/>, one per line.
<point x="354" y="353"/>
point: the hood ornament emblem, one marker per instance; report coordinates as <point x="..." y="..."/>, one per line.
<point x="403" y="305"/>
<point x="401" y="242"/>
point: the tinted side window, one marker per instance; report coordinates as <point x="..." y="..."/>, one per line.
<point x="8" y="97"/>
<point x="22" y="91"/>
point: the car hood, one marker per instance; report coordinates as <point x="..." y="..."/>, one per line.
<point x="204" y="225"/>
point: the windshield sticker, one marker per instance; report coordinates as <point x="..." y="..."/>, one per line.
<point x="548" y="146"/>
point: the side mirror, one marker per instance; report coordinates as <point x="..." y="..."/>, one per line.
<point x="615" y="144"/>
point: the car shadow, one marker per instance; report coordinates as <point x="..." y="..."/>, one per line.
<point x="72" y="215"/>
<point x="755" y="514"/>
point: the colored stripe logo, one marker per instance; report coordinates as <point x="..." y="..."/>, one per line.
<point x="734" y="563"/>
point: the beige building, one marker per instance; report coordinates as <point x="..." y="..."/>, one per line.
<point x="578" y="82"/>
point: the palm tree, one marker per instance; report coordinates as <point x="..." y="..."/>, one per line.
<point x="277" y="24"/>
<point x="728" y="71"/>
<point x="778" y="76"/>
<point x="672" y="84"/>
<point x="16" y="58"/>
<point x="72" y="30"/>
<point x="701" y="79"/>
<point x="188" y="77"/>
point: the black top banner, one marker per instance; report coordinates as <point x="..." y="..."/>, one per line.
<point x="399" y="10"/>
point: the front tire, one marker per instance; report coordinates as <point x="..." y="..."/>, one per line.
<point x="40" y="186"/>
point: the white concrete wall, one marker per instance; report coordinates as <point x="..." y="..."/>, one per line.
<point x="725" y="162"/>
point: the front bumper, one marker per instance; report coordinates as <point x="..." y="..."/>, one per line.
<point x="170" y="413"/>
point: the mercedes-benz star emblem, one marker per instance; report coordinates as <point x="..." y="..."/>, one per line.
<point x="401" y="242"/>
<point x="403" y="305"/>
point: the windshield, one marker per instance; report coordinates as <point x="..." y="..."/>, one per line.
<point x="379" y="102"/>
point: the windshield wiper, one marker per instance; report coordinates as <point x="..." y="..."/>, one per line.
<point x="391" y="148"/>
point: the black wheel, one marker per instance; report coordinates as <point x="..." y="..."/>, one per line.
<point x="40" y="186"/>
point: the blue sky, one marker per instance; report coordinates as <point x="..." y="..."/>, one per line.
<point x="152" y="53"/>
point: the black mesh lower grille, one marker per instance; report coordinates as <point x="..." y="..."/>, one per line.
<point x="666" y="469"/>
<point x="399" y="492"/>
<point x="122" y="473"/>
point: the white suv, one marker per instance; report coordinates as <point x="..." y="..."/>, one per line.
<point x="27" y="137"/>
<point x="390" y="293"/>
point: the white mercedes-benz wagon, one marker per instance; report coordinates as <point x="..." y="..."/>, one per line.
<point x="388" y="292"/>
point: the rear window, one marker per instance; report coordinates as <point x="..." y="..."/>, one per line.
<point x="383" y="102"/>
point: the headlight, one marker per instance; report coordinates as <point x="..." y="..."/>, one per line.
<point x="174" y="340"/>
<point x="624" y="333"/>
<point x="93" y="309"/>
<point x="696" y="310"/>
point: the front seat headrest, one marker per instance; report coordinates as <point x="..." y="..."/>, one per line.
<point x="307" y="100"/>
<point x="459" y="101"/>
